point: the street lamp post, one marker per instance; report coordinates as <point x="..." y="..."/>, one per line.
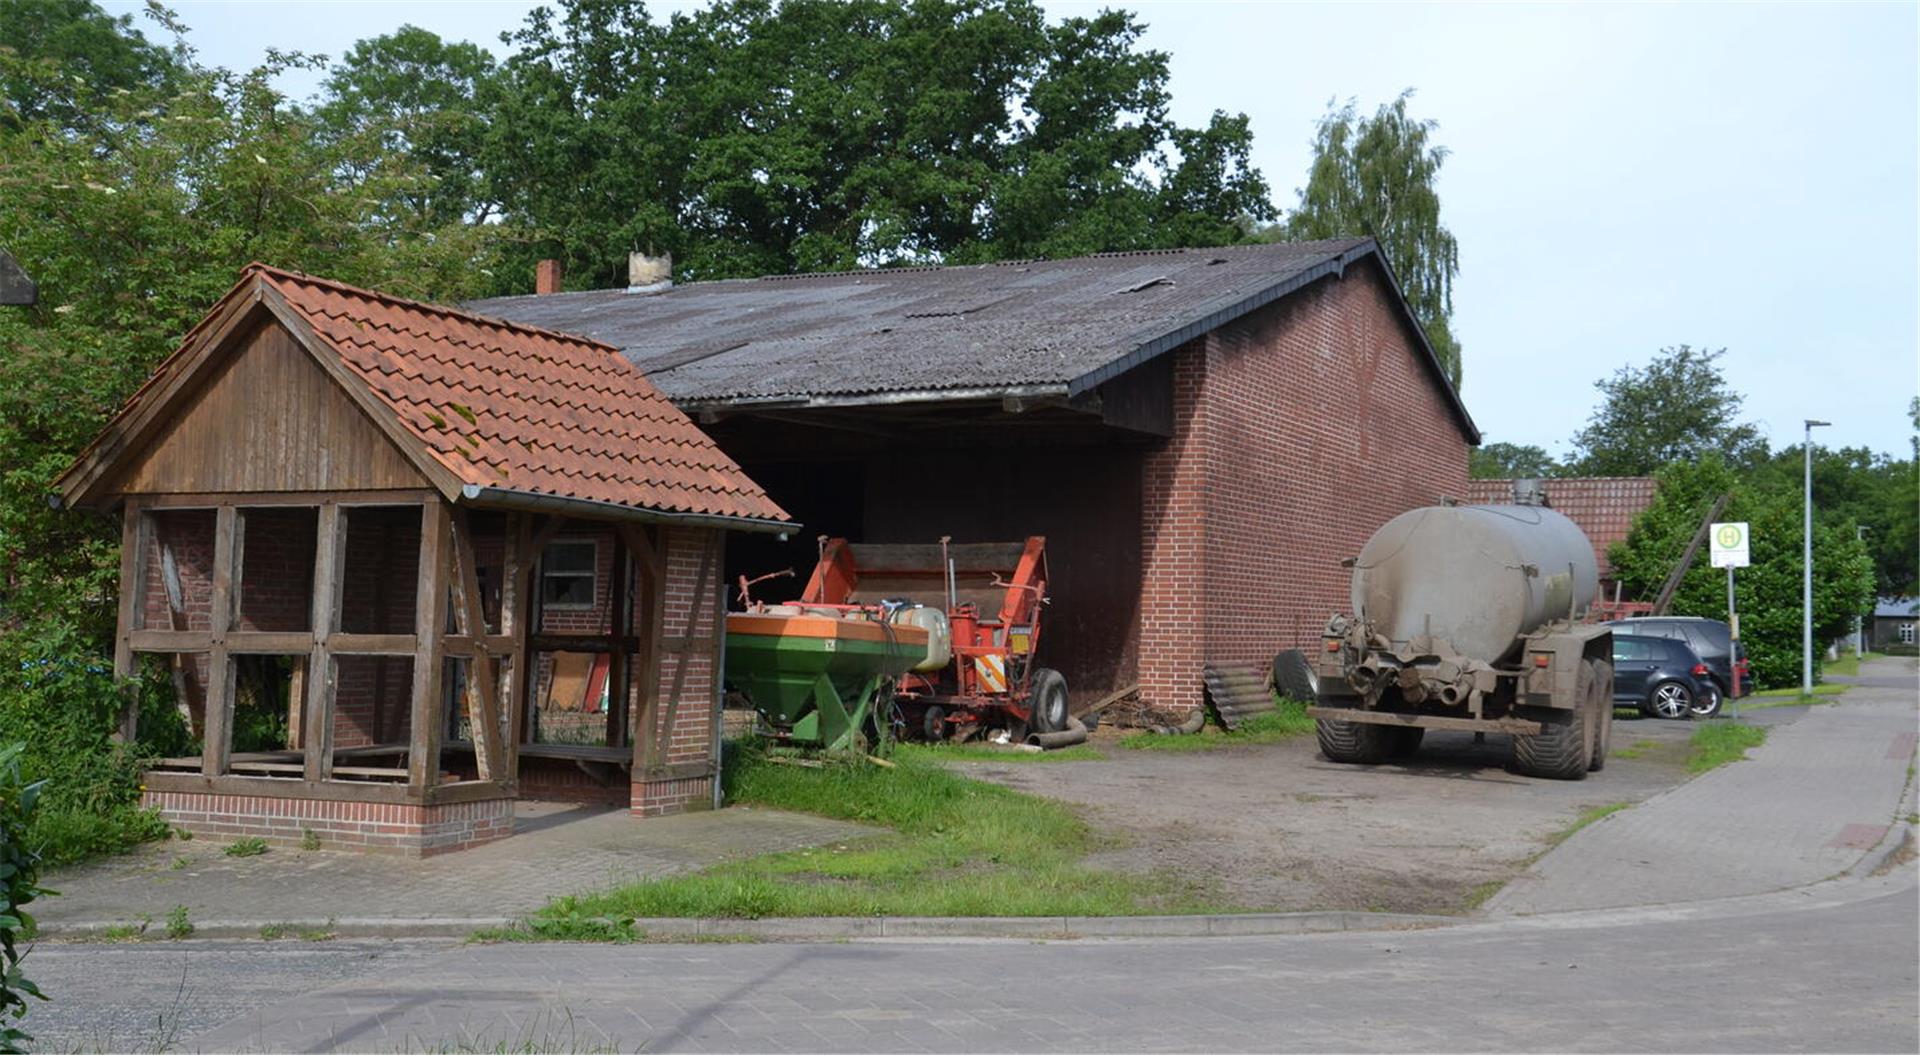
<point x="1859" y="635"/>
<point x="1806" y="560"/>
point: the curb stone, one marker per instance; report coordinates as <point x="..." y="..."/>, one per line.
<point x="822" y="928"/>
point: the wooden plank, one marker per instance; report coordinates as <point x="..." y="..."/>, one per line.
<point x="279" y="787"/>
<point x="371" y="644"/>
<point x="268" y="642"/>
<point x="430" y="618"/>
<point x="324" y="615"/>
<point x="171" y="641"/>
<point x="133" y="588"/>
<point x="483" y="686"/>
<point x="402" y="496"/>
<point x="269" y="418"/>
<point x="297" y="704"/>
<point x="217" y="742"/>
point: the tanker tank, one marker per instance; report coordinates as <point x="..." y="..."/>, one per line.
<point x="1477" y="577"/>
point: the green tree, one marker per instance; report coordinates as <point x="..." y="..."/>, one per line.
<point x="1677" y="407"/>
<point x="751" y="138"/>
<point x="413" y="100"/>
<point x="1768" y="591"/>
<point x="1377" y="176"/>
<point x="1511" y="461"/>
<point x="66" y="56"/>
<point x="133" y="223"/>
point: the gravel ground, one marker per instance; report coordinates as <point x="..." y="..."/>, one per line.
<point x="1276" y="827"/>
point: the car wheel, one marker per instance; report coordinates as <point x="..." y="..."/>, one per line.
<point x="1670" y="699"/>
<point x="1706" y="703"/>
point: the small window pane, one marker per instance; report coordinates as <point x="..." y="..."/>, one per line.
<point x="567" y="574"/>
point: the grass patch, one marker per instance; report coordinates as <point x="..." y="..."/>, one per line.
<point x="1717" y="743"/>
<point x="1848" y="665"/>
<point x="957" y="847"/>
<point x="1635" y="749"/>
<point x="1587" y="816"/>
<point x="1825" y="689"/>
<point x="979" y="753"/>
<point x="251" y="846"/>
<point x="1480" y="894"/>
<point x="1286" y="721"/>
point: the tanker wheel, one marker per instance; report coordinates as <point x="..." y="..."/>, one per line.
<point x="1361" y="743"/>
<point x="933" y="724"/>
<point x="1561" y="750"/>
<point x="1293" y="676"/>
<point x="1603" y="713"/>
<point x="1047" y="702"/>
<point x="1406" y="742"/>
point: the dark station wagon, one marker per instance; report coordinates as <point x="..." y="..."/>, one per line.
<point x="1663" y="677"/>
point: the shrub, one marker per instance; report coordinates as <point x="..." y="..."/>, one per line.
<point x="19" y="873"/>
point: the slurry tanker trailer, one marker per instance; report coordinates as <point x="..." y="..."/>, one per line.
<point x="1468" y="618"/>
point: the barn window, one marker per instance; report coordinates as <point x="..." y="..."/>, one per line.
<point x="567" y="574"/>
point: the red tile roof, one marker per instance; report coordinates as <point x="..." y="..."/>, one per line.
<point x="1603" y="506"/>
<point x="516" y="408"/>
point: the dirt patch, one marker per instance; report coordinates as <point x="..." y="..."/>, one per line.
<point x="1276" y="827"/>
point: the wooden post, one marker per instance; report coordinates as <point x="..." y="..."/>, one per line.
<point x="217" y="741"/>
<point x="429" y="626"/>
<point x="653" y="559"/>
<point x="619" y="660"/>
<point x="531" y="544"/>
<point x="133" y="589"/>
<point x="482" y="688"/>
<point x="513" y="627"/>
<point x="317" y="714"/>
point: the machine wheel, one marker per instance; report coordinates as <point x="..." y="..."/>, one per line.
<point x="1363" y="743"/>
<point x="1670" y="699"/>
<point x="1047" y="701"/>
<point x="1707" y="704"/>
<point x="1603" y="714"/>
<point x="1293" y="676"/>
<point x="1406" y="742"/>
<point x="933" y="725"/>
<point x="1561" y="750"/>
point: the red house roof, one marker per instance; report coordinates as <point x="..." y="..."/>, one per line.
<point x="1603" y="506"/>
<point x="489" y="408"/>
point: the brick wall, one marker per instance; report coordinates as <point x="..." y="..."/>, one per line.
<point x="1299" y="430"/>
<point x="414" y="831"/>
<point x="691" y="612"/>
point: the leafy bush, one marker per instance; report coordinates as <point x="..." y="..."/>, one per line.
<point x="19" y="873"/>
<point x="61" y="702"/>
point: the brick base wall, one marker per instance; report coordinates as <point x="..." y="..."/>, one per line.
<point x="657" y="798"/>
<point x="383" y="827"/>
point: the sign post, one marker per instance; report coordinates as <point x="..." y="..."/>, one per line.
<point x="1728" y="550"/>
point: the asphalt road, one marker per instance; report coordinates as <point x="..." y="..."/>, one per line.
<point x="1829" y="968"/>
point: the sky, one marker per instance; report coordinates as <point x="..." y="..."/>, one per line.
<point x="1621" y="177"/>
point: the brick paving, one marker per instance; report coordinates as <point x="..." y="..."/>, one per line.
<point x="557" y="850"/>
<point x="1800" y="809"/>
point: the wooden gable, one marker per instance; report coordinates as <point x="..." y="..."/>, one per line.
<point x="267" y="418"/>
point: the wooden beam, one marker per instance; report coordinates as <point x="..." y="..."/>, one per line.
<point x="133" y="589"/>
<point x="619" y="631"/>
<point x="323" y="618"/>
<point x="653" y="591"/>
<point x="269" y="642"/>
<point x="429" y="622"/>
<point x="213" y="500"/>
<point x="482" y="692"/>
<point x="371" y="644"/>
<point x="217" y="741"/>
<point x="170" y="641"/>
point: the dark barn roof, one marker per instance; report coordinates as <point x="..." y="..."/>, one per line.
<point x="1057" y="327"/>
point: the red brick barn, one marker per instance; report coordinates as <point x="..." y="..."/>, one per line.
<point x="1202" y="435"/>
<point x="399" y="565"/>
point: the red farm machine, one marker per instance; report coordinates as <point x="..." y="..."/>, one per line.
<point x="979" y="606"/>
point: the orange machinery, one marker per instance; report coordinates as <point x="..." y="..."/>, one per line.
<point x="981" y="604"/>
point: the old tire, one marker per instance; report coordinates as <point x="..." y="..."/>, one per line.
<point x="1561" y="750"/>
<point x="1671" y="700"/>
<point x="933" y="724"/>
<point x="1294" y="677"/>
<point x="1406" y="741"/>
<point x="1603" y="714"/>
<point x="1047" y="701"/>
<point x="1360" y="743"/>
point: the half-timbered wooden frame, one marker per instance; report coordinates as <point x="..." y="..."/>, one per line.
<point x="334" y="509"/>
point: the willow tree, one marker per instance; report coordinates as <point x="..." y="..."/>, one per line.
<point x="1375" y="176"/>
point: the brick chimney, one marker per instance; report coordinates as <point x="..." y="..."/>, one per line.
<point x="646" y="273"/>
<point x="546" y="277"/>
